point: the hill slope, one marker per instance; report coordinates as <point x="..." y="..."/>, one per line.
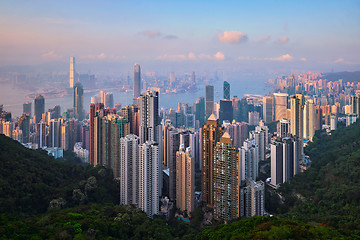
<point x="30" y="180"/>
<point x="329" y="192"/>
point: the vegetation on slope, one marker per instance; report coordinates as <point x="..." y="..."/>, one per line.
<point x="328" y="192"/>
<point x="31" y="182"/>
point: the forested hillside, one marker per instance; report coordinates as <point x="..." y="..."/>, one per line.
<point x="329" y="192"/>
<point x="31" y="181"/>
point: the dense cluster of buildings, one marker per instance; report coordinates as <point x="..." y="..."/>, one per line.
<point x="157" y="155"/>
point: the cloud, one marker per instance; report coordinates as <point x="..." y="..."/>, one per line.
<point x="233" y="37"/>
<point x="263" y="39"/>
<point x="243" y="58"/>
<point x="282" y="58"/>
<point x="191" y="56"/>
<point x="340" y="60"/>
<point x="51" y="55"/>
<point x="284" y="39"/>
<point x="100" y="56"/>
<point x="303" y="59"/>
<point x="171" y="37"/>
<point x="172" y="57"/>
<point x="204" y="56"/>
<point x="151" y="33"/>
<point x="219" y="56"/>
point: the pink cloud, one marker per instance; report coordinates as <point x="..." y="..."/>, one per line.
<point x="172" y="57"/>
<point x="303" y="59"/>
<point x="191" y="56"/>
<point x="284" y="39"/>
<point x="232" y="37"/>
<point x="340" y="60"/>
<point x="51" y="55"/>
<point x="263" y="39"/>
<point x="282" y="58"/>
<point x="219" y="56"/>
<point x="151" y="33"/>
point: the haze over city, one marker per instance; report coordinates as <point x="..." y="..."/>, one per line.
<point x="240" y="37"/>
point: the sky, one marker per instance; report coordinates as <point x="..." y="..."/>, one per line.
<point x="252" y="37"/>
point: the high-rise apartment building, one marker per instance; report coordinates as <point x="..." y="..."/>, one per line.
<point x="209" y="100"/>
<point x="129" y="169"/>
<point x="280" y="105"/>
<point x="185" y="179"/>
<point x="211" y="133"/>
<point x="72" y="72"/>
<point x="268" y="109"/>
<point x="318" y="118"/>
<point x="109" y="100"/>
<point x="252" y="199"/>
<point x="93" y="110"/>
<point x="130" y="112"/>
<point x="54" y="133"/>
<point x="285" y="159"/>
<point x="136" y="83"/>
<point x="149" y="117"/>
<point x="24" y="125"/>
<point x="39" y="107"/>
<point x="238" y="132"/>
<point x="297" y="115"/>
<point x="309" y="121"/>
<point x="225" y="180"/>
<point x="226" y="90"/>
<point x="283" y="128"/>
<point x="150" y="178"/>
<point x="248" y="160"/>
<point x="78" y="98"/>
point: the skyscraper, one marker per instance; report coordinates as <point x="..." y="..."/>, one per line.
<point x="225" y="179"/>
<point x="149" y="117"/>
<point x="24" y="125"/>
<point x="226" y="90"/>
<point x="318" y="118"/>
<point x="211" y="133"/>
<point x="39" y="107"/>
<point x="129" y="169"/>
<point x="27" y="108"/>
<point x="93" y="109"/>
<point x="72" y="72"/>
<point x="268" y="109"/>
<point x="309" y="121"/>
<point x="236" y="108"/>
<point x="226" y="110"/>
<point x="252" y="199"/>
<point x="78" y="98"/>
<point x="109" y="100"/>
<point x="238" y="132"/>
<point x="286" y="154"/>
<point x="280" y="105"/>
<point x="129" y="113"/>
<point x="185" y="179"/>
<point x="297" y="115"/>
<point x="248" y="160"/>
<point x="283" y="128"/>
<point x="137" y="82"/>
<point x="150" y="178"/>
<point x="209" y="95"/>
<point x="172" y="78"/>
<point x="200" y="112"/>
